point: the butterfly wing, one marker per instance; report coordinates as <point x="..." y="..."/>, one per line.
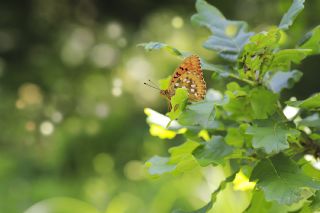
<point x="189" y="75"/>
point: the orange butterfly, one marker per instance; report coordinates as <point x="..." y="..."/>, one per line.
<point x="188" y="75"/>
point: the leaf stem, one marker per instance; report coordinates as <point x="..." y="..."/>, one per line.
<point x="252" y="83"/>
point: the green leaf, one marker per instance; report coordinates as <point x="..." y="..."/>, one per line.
<point x="199" y="113"/>
<point x="258" y="54"/>
<point x="180" y="160"/>
<point x="228" y="36"/>
<point x="281" y="180"/>
<point x="245" y="104"/>
<point x="149" y="46"/>
<point x="178" y="103"/>
<point x="283" y="58"/>
<point x="213" y="151"/>
<point x="263" y="102"/>
<point x="178" y="153"/>
<point x="311" y="41"/>
<point x="272" y="138"/>
<point x="236" y="136"/>
<point x="214" y="195"/>
<point x="288" y="18"/>
<point x="165" y="82"/>
<point x="312" y="102"/>
<point x="311" y="121"/>
<point x="238" y="106"/>
<point x="281" y="80"/>
<point x="182" y="157"/>
<point x="259" y="204"/>
<point x="159" y="165"/>
<point x="315" y="205"/>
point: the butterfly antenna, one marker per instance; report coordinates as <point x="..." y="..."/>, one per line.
<point x="151" y="86"/>
<point x="154" y="84"/>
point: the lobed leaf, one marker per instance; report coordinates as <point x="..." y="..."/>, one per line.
<point x="281" y="180"/>
<point x="294" y="10"/>
<point x="228" y="37"/>
<point x="272" y="139"/>
<point x="213" y="151"/>
<point x="199" y="113"/>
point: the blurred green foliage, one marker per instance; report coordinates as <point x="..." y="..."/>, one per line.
<point x="72" y="131"/>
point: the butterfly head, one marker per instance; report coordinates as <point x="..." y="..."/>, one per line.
<point x="165" y="93"/>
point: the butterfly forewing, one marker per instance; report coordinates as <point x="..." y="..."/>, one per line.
<point x="188" y="75"/>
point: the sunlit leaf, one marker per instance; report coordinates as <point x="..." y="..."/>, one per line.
<point x="228" y="37"/>
<point x="241" y="182"/>
<point x="288" y="18"/>
<point x="281" y="180"/>
<point x="156" y="130"/>
<point x="178" y="103"/>
<point x="164" y="83"/>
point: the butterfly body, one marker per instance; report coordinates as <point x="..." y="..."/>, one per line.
<point x="189" y="76"/>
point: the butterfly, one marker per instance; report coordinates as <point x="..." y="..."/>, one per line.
<point x="188" y="75"/>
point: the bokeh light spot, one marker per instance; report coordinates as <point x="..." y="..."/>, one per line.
<point x="116" y="91"/>
<point x="177" y="22"/>
<point x="46" y="128"/>
<point x="103" y="55"/>
<point x="29" y="94"/>
<point x="103" y="163"/>
<point x="135" y="170"/>
<point x="57" y="117"/>
<point x="113" y="30"/>
<point x="102" y="110"/>
<point x="75" y="49"/>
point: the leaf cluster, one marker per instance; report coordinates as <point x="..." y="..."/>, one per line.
<point x="248" y="124"/>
